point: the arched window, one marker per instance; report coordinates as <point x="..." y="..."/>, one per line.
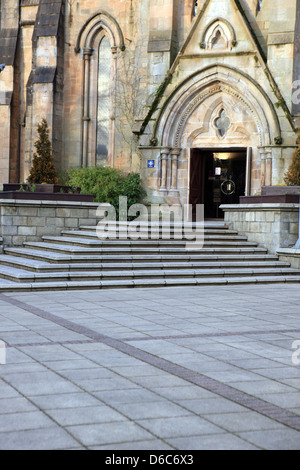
<point x="99" y="41"/>
<point x="104" y="101"/>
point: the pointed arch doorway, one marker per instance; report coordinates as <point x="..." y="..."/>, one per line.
<point x="218" y="176"/>
<point x="217" y="110"/>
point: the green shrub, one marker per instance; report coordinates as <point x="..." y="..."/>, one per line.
<point x="107" y="185"/>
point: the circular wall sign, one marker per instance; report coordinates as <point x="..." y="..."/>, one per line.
<point x="228" y="187"/>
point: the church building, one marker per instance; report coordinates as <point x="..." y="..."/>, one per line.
<point x="200" y="97"/>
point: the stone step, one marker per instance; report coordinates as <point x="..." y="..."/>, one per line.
<point x="210" y="249"/>
<point x="209" y="241"/>
<point x="154" y="227"/>
<point x="206" y="255"/>
<point x="9" y="286"/>
<point x="93" y="233"/>
<point x="21" y="275"/>
<point x="164" y="225"/>
<point x="80" y="260"/>
<point x="148" y="234"/>
<point x="41" y="266"/>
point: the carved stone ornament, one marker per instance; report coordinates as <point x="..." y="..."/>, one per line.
<point x="154" y="142"/>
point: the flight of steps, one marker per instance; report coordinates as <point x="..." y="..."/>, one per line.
<point x="80" y="260"/>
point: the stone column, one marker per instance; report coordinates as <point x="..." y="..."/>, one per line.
<point x="277" y="166"/>
<point x="86" y="106"/>
<point x="169" y="171"/>
<point x="174" y="158"/>
<point x="269" y="165"/>
<point x="263" y="168"/>
<point x="164" y="165"/>
<point x="111" y="151"/>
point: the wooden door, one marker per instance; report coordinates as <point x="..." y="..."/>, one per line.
<point x="196" y="179"/>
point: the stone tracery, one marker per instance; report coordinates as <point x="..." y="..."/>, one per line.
<point x="219" y="34"/>
<point x="222" y="123"/>
<point x="217" y="88"/>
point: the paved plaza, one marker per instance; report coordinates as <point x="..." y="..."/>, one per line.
<point x="181" y="368"/>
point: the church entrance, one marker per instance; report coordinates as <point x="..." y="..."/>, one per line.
<point x="217" y="176"/>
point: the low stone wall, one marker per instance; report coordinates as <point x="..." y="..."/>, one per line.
<point x="272" y="226"/>
<point x="291" y="256"/>
<point x="23" y="221"/>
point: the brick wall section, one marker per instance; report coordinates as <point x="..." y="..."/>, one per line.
<point x="22" y="221"/>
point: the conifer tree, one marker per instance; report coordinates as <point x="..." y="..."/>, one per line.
<point x="292" y="177"/>
<point x="43" y="168"/>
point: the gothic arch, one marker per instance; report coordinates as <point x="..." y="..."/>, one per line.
<point x="226" y="30"/>
<point x="101" y="20"/>
<point x="88" y="42"/>
<point x="216" y="80"/>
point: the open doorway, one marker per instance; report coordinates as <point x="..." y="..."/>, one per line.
<point x="217" y="176"/>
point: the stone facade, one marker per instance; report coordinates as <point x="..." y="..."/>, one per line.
<point x="175" y="67"/>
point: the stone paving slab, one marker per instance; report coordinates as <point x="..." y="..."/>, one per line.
<point x="182" y="368"/>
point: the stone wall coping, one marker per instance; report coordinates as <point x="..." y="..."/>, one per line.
<point x="259" y="207"/>
<point x="59" y="204"/>
<point x="294" y="252"/>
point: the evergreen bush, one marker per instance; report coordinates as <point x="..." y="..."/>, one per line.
<point x="43" y="168"/>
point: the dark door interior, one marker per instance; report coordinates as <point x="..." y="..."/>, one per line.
<point x="217" y="177"/>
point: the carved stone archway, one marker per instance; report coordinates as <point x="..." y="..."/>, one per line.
<point x="212" y="81"/>
<point x="188" y="118"/>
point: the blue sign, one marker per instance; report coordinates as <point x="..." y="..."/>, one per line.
<point x="151" y="163"/>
